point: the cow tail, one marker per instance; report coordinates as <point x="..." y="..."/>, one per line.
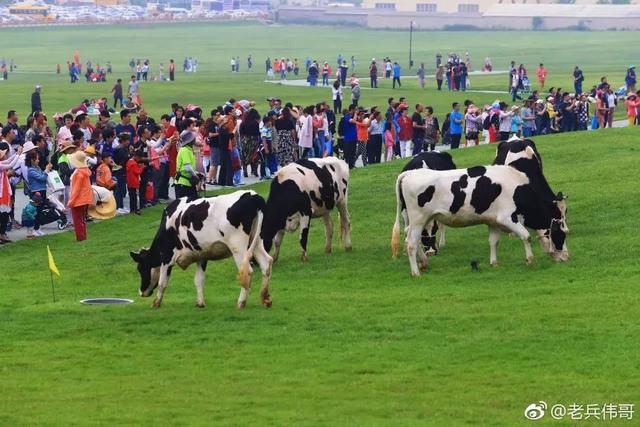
<point x="395" y="234"/>
<point x="245" y="266"/>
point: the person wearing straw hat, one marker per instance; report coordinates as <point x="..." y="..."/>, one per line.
<point x="186" y="178"/>
<point x="104" y="204"/>
<point x="81" y="196"/>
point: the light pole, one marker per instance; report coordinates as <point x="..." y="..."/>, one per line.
<point x="410" y="44"/>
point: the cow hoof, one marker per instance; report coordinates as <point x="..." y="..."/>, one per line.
<point x="200" y="305"/>
<point x="422" y="266"/>
<point x="529" y="261"/>
<point x="348" y="248"/>
<point x="415" y="274"/>
<point x="304" y="257"/>
<point x="156" y="304"/>
<point x="267" y="303"/>
<point x="242" y="305"/>
<point x="327" y="250"/>
<point x="494" y="264"/>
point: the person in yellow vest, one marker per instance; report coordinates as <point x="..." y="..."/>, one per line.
<point x="186" y="177"/>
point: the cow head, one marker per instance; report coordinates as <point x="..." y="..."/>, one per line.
<point x="149" y="274"/>
<point x="554" y="240"/>
<point x="561" y="203"/>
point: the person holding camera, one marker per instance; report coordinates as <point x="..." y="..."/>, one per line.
<point x="186" y="177"/>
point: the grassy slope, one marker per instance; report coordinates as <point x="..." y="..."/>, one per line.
<point x="40" y="49"/>
<point x="351" y="339"/>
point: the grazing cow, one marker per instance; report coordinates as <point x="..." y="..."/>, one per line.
<point x="433" y="160"/>
<point x="207" y="229"/>
<point x="500" y="196"/>
<point x="512" y="151"/>
<point x="303" y="190"/>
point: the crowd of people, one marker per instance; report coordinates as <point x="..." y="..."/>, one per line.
<point x="133" y="154"/>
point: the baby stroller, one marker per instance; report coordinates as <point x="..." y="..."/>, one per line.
<point x="53" y="208"/>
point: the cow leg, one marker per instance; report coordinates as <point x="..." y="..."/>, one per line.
<point x="265" y="262"/>
<point x="304" y="235"/>
<point x="414" y="233"/>
<point x="494" y="238"/>
<point x="522" y="232"/>
<point x="328" y="233"/>
<point x="277" y="242"/>
<point x="422" y="258"/>
<point x="429" y="238"/>
<point x="245" y="284"/>
<point x="163" y="282"/>
<point x="442" y="241"/>
<point x="199" y="282"/>
<point x="345" y="226"/>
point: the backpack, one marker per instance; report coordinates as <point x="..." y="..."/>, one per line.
<point x="486" y="124"/>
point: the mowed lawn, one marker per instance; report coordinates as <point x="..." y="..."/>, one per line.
<point x="351" y="339"/>
<point x="36" y="51"/>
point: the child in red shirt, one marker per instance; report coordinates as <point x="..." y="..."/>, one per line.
<point x="134" y="171"/>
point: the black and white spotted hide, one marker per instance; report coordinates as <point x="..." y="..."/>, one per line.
<point x="433" y="160"/>
<point x="303" y="190"/>
<point x="500" y="196"/>
<point x="202" y="230"/>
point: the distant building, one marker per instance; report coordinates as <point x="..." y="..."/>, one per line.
<point x="455" y="6"/>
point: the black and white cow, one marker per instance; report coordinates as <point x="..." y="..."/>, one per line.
<point x="512" y="151"/>
<point x="433" y="160"/>
<point x="500" y="196"/>
<point x="303" y="190"/>
<point x="207" y="229"/>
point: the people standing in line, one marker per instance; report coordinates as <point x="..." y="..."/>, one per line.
<point x="542" y="75"/>
<point x="186" y="178"/>
<point x="344" y="69"/>
<point x="439" y="76"/>
<point x="172" y="70"/>
<point x="373" y="74"/>
<point x="406" y="132"/>
<point x="81" y="195"/>
<point x="336" y="93"/>
<point x="355" y="91"/>
<point x="578" y="78"/>
<point x="396" y="74"/>
<point x="473" y="123"/>
<point x="504" y="117"/>
<point x="117" y="93"/>
<point x="515" y="85"/>
<point x="631" y="79"/>
<point x="431" y="130"/>
<point x="362" y="133"/>
<point x="349" y="135"/>
<point x="374" y="146"/>
<point x="36" y="103"/>
<point x="305" y="135"/>
<point x="455" y="128"/>
<point x="421" y="73"/>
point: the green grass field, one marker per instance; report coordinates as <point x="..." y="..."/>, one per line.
<point x="598" y="53"/>
<point x="351" y="339"/>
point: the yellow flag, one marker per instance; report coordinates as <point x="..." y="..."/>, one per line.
<point x="52" y="263"/>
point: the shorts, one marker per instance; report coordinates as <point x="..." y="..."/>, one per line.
<point x="215" y="156"/>
<point x="472" y="136"/>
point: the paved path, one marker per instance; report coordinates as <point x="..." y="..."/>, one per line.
<point x="304" y="83"/>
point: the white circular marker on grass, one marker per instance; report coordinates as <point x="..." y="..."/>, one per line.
<point x="102" y="301"/>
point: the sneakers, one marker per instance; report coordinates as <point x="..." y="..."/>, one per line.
<point x="122" y="211"/>
<point x="38" y="233"/>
